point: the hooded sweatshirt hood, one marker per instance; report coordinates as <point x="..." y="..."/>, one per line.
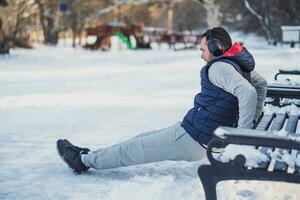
<point x="241" y="56"/>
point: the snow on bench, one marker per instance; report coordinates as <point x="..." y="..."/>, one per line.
<point x="269" y="151"/>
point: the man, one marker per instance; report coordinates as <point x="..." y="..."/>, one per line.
<point x="232" y="94"/>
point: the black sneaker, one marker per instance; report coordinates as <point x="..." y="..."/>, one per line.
<point x="71" y="155"/>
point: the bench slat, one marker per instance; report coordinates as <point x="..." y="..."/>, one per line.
<point x="295" y="152"/>
<point x="265" y="122"/>
<point x="278" y="122"/>
<point x="276" y="126"/>
<point x="292" y="124"/>
<point x="291" y="128"/>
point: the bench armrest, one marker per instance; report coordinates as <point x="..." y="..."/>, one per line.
<point x="288" y="72"/>
<point x="277" y="91"/>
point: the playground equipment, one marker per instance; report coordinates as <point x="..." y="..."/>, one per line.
<point x="124" y="32"/>
<point x="124" y="39"/>
<point x="105" y="31"/>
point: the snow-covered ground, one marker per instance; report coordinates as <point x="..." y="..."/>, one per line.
<point x="96" y="99"/>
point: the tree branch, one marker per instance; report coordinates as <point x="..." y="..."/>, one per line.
<point x="247" y="5"/>
<point x="135" y="2"/>
<point x="263" y="21"/>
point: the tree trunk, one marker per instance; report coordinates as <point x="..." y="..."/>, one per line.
<point x="74" y="28"/>
<point x="49" y="31"/>
<point x="16" y="28"/>
<point x="213" y="11"/>
<point x="170" y="17"/>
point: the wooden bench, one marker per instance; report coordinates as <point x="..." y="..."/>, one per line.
<point x="286" y="72"/>
<point x="265" y="138"/>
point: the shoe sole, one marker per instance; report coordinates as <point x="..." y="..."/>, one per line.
<point x="74" y="172"/>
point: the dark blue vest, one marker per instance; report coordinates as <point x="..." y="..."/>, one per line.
<point x="213" y="107"/>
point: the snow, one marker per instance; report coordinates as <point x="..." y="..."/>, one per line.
<point x="96" y="99"/>
<point x="253" y="156"/>
<point x="290" y="110"/>
<point x="220" y="132"/>
<point x="270" y="109"/>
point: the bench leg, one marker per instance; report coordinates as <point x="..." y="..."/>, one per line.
<point x="210" y="175"/>
<point x="209" y="181"/>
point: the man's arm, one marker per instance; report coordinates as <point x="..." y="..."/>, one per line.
<point x="225" y="76"/>
<point x="260" y="85"/>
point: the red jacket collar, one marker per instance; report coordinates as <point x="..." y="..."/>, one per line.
<point x="234" y="49"/>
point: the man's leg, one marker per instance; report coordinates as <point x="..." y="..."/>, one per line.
<point x="171" y="143"/>
<point x="137" y="136"/>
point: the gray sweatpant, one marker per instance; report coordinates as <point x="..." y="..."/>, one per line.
<point x="171" y="143"/>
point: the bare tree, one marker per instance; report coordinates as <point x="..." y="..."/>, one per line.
<point x="263" y="18"/>
<point x="24" y="10"/>
<point x="212" y="10"/>
<point x="18" y="18"/>
<point x="189" y="15"/>
<point x="3" y="3"/>
<point x="49" y="19"/>
<point x="271" y="14"/>
<point x="117" y="4"/>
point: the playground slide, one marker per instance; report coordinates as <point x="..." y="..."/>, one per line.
<point x="124" y="39"/>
